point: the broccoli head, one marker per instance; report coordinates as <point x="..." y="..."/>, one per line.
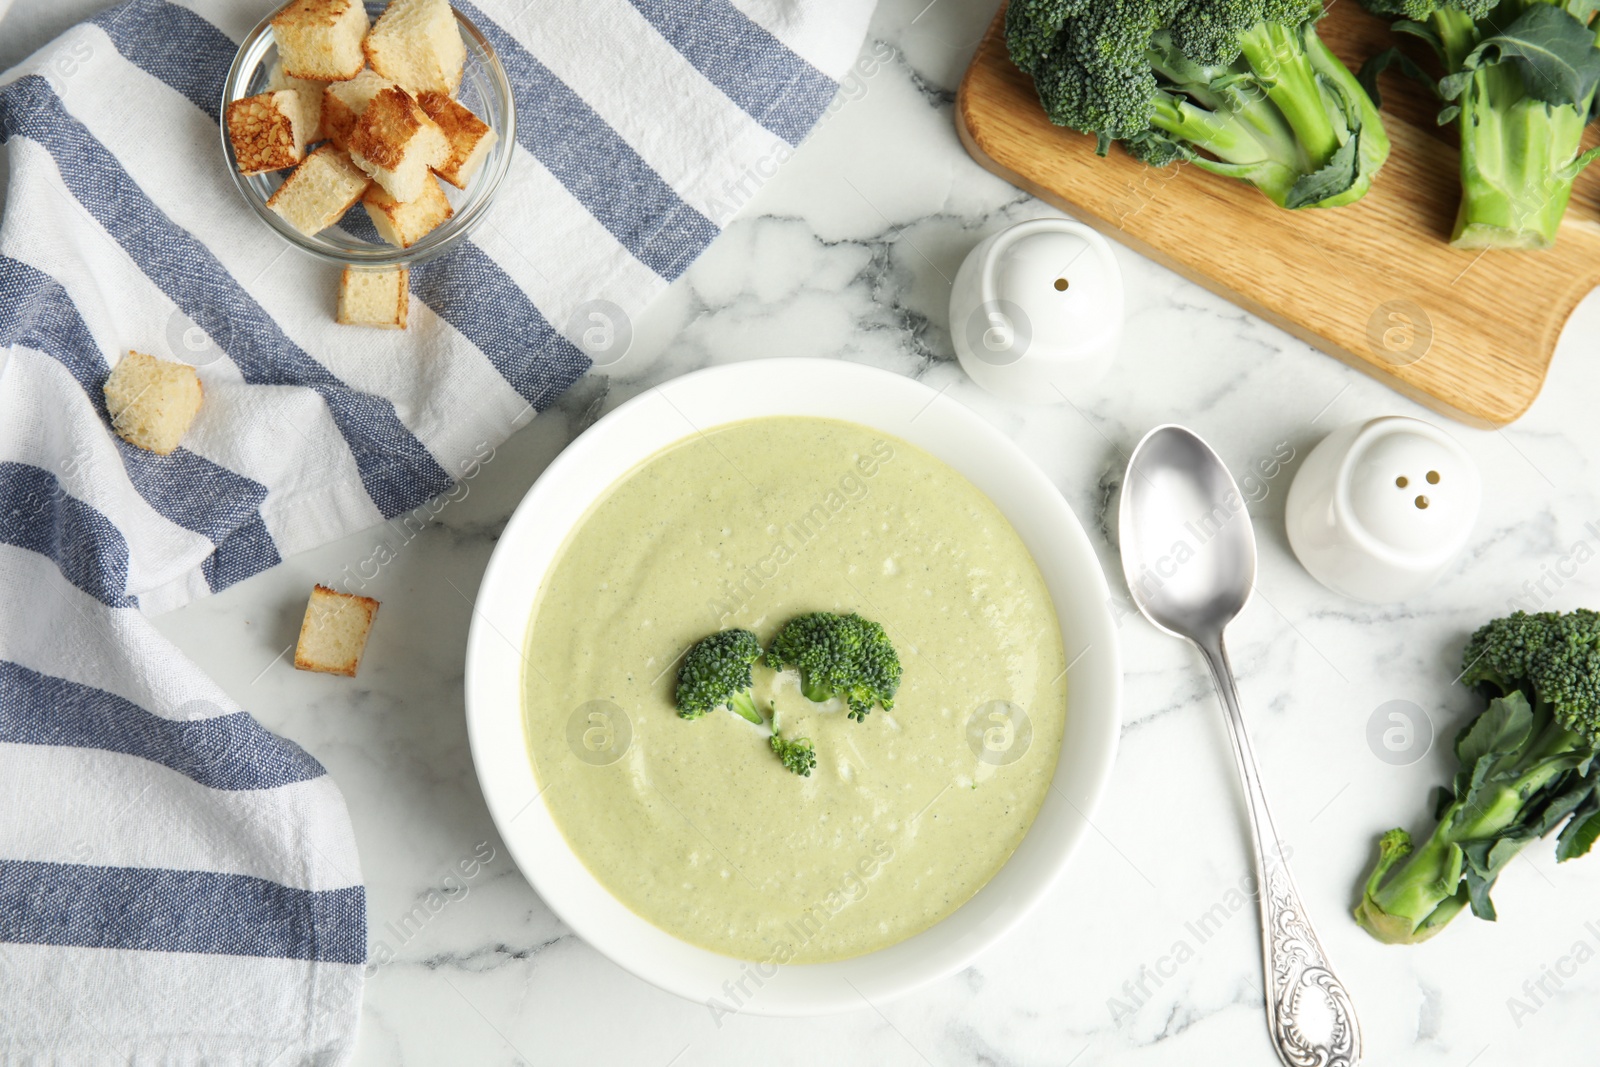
<point x="1243" y="88"/>
<point x="839" y="656"/>
<point x="1524" y="772"/>
<point x="716" y="673"/>
<point x="797" y="755"/>
<point x="1554" y="656"/>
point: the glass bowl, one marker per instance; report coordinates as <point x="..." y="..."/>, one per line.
<point x="484" y="89"/>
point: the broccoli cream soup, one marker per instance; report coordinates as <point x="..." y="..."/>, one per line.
<point x="696" y="825"/>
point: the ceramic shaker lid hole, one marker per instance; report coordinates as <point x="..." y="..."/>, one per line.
<point x="1402" y="495"/>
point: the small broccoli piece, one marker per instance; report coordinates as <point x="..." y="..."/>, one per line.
<point x="797" y="755"/>
<point x="716" y="673"/>
<point x="1519" y="83"/>
<point x="839" y="656"/>
<point x="1525" y="771"/>
<point x="1243" y="88"/>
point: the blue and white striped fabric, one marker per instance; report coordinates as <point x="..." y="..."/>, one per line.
<point x="178" y="885"/>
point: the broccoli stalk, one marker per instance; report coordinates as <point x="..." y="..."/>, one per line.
<point x="1520" y="80"/>
<point x="716" y="673"/>
<point x="1243" y="88"/>
<point x="839" y="656"/>
<point x="1524" y="772"/>
<point x="1519" y="155"/>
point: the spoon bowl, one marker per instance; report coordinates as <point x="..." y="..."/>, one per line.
<point x="1188" y="549"/>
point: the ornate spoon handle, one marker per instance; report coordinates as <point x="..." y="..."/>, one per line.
<point x="1309" y="1013"/>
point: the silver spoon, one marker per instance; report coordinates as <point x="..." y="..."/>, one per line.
<point x="1189" y="555"/>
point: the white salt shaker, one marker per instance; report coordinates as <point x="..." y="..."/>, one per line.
<point x="1036" y="311"/>
<point x="1380" y="508"/>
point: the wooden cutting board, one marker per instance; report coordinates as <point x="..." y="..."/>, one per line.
<point x="1469" y="334"/>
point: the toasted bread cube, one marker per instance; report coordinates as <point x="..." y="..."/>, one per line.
<point x="469" y="136"/>
<point x="416" y="44"/>
<point x="310" y="98"/>
<point x="334" y="632"/>
<point x="268" y="132"/>
<point x="319" y="191"/>
<point x="378" y="298"/>
<point x="405" y="222"/>
<point x="343" y="103"/>
<point x="320" y="40"/>
<point x="152" y="401"/>
<point x="396" y="143"/>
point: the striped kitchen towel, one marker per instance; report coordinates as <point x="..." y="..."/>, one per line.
<point x="178" y="885"/>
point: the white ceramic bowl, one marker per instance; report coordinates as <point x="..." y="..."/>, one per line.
<point x="639" y="429"/>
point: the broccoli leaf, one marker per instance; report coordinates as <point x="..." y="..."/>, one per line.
<point x="1393" y="57"/>
<point x="1503" y="727"/>
<point x="1338" y="175"/>
<point x="1554" y="52"/>
<point x="1420" y="30"/>
<point x="1578" y="796"/>
<point x="1578" y="836"/>
<point x="1483" y="862"/>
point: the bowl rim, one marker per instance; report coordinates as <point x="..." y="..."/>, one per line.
<point x="636" y="430"/>
<point x="383" y="256"/>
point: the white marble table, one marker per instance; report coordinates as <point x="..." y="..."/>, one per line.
<point x="848" y="253"/>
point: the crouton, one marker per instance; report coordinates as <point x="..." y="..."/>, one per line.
<point x="417" y="45"/>
<point x="320" y="40"/>
<point x="334" y="632"/>
<point x="374" y="298"/>
<point x="405" y="222"/>
<point x="319" y="191"/>
<point x="268" y="132"/>
<point x="152" y="401"/>
<point x="470" y="138"/>
<point x="310" y="98"/>
<point x="343" y="102"/>
<point x="396" y="143"/>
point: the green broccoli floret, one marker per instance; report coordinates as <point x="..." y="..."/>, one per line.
<point x="1418" y="10"/>
<point x="839" y="655"/>
<point x="1519" y="82"/>
<point x="1244" y="88"/>
<point x="716" y="673"/>
<point x="797" y="755"/>
<point x="1524" y="772"/>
